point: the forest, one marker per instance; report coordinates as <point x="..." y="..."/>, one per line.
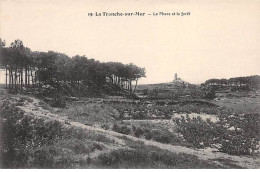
<point x="25" y="69"/>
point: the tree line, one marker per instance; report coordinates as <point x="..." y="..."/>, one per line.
<point x="237" y="82"/>
<point x="25" y="69"/>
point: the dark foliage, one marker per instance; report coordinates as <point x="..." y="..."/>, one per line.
<point x="20" y="134"/>
<point x="121" y="129"/>
<point x="28" y="69"/>
<point x="236" y="134"/>
<point x="210" y="95"/>
<point x="58" y="101"/>
<point x="236" y="84"/>
<point x="149" y="157"/>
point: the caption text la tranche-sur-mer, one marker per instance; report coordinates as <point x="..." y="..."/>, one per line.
<point x="107" y="14"/>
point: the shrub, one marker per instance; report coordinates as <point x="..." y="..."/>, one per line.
<point x="64" y="162"/>
<point x="105" y="126"/>
<point x="210" y="94"/>
<point x="22" y="134"/>
<point x="97" y="146"/>
<point x="80" y="148"/>
<point x="121" y="129"/>
<point x="237" y="134"/>
<point x="58" y="101"/>
<point x="243" y="140"/>
<point x="42" y="159"/>
<point x="122" y="155"/>
<point x="196" y="131"/>
<point x="137" y="131"/>
<point x="149" y="157"/>
<point x="147" y="135"/>
<point x="31" y="142"/>
<point x="161" y="136"/>
<point x="238" y="145"/>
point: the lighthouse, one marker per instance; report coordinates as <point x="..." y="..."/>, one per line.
<point x="176" y="77"/>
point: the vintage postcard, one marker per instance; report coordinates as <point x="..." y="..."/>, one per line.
<point x="139" y="84"/>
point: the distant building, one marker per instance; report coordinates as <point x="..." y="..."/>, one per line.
<point x="178" y="81"/>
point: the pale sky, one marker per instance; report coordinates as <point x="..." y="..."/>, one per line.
<point x="220" y="39"/>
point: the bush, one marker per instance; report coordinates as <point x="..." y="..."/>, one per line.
<point x="238" y="145"/>
<point x="122" y="155"/>
<point x="210" y="94"/>
<point x="22" y="134"/>
<point x="198" y="132"/>
<point x="149" y="157"/>
<point x="137" y="131"/>
<point x="237" y="134"/>
<point x="58" y="101"/>
<point x="105" y="126"/>
<point x="97" y="146"/>
<point x="161" y="136"/>
<point x="121" y="129"/>
<point x="28" y="141"/>
<point x="43" y="159"/>
<point x="243" y="140"/>
<point x="147" y="135"/>
<point x="80" y="148"/>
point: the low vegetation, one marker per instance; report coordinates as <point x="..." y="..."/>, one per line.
<point x="90" y="114"/>
<point x="165" y="109"/>
<point x="233" y="134"/>
<point x="149" y="131"/>
<point x="28" y="141"/>
<point x="143" y="156"/>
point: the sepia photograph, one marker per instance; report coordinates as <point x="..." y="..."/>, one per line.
<point x="129" y="84"/>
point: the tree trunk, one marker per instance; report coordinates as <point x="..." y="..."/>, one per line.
<point x="19" y="79"/>
<point x="12" y="77"/>
<point x="32" y="77"/>
<point x="35" y="77"/>
<point x="111" y="79"/>
<point x="25" y="77"/>
<point x="9" y="78"/>
<point x="39" y="77"/>
<point x="28" y="74"/>
<point x="135" y="85"/>
<point x="114" y="79"/>
<point x="15" y="78"/>
<point x="6" y="77"/>
<point x="22" y="79"/>
<point x="130" y="85"/>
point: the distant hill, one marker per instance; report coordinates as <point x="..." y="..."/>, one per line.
<point x="167" y="85"/>
<point x="180" y="88"/>
<point x="174" y="89"/>
<point x="176" y="83"/>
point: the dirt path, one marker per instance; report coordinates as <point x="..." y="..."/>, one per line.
<point x="34" y="108"/>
